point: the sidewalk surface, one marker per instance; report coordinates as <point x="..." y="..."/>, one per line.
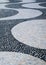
<point x="23" y="32"/>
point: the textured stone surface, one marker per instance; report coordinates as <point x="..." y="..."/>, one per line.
<point x="24" y="14"/>
<point x="34" y="5"/>
<point x="13" y="58"/>
<point x="19" y="14"/>
<point x="32" y="33"/>
<point x="7" y="13"/>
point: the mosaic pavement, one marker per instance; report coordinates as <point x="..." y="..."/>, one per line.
<point x="23" y="32"/>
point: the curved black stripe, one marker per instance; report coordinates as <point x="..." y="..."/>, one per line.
<point x="8" y="43"/>
<point x="7" y="13"/>
<point x="43" y="4"/>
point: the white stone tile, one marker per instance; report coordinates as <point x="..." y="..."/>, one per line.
<point x="34" y="5"/>
<point x="32" y="33"/>
<point x="4" y="1"/>
<point x="29" y="1"/>
<point x="14" y="58"/>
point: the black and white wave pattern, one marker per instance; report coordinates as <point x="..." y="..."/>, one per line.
<point x="23" y="32"/>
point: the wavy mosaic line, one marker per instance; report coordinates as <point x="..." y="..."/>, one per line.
<point x="11" y="19"/>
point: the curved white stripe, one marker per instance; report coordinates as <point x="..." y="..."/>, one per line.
<point x="14" y="58"/>
<point x="34" y="5"/>
<point x="28" y="1"/>
<point x="4" y="1"/>
<point x="2" y="6"/>
<point x="24" y="13"/>
<point x="32" y="33"/>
